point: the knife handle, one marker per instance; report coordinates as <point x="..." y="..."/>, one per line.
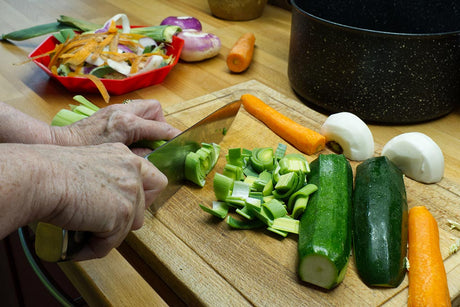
<point x="54" y="244"/>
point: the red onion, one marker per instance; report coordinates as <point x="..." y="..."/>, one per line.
<point x="185" y="22"/>
<point x="199" y="45"/>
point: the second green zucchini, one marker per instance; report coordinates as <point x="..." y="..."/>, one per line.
<point x="380" y="223"/>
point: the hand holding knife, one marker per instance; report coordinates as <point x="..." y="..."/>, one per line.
<point x="56" y="244"/>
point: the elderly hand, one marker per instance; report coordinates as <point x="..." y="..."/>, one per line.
<point x="94" y="183"/>
<point x="125" y="123"/>
<point x="103" y="189"/>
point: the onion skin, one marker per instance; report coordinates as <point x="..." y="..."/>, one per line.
<point x="199" y="46"/>
<point x="185" y="22"/>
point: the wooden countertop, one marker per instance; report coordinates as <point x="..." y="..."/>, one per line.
<point x="123" y="278"/>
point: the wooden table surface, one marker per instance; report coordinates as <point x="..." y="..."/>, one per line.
<point x="122" y="278"/>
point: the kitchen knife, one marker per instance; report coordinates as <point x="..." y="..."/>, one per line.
<point x="55" y="244"/>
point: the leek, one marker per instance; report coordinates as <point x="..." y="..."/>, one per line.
<point x="36" y="31"/>
<point x="288" y="184"/>
<point x="245" y="224"/>
<point x="236" y="157"/>
<point x="277" y="231"/>
<point x="240" y="189"/>
<point x="64" y="23"/>
<point x="194" y="171"/>
<point x="233" y="171"/>
<point x="265" y="188"/>
<point x="262" y="159"/>
<point x="298" y="200"/>
<point x="219" y="209"/>
<point x="223" y="186"/>
<point x="158" y="33"/>
<point x="66" y="117"/>
<point x="280" y="151"/>
<point x="246" y="212"/>
<point x="200" y="163"/>
<point x="287" y="224"/>
<point x="274" y="209"/>
<point x="293" y="163"/>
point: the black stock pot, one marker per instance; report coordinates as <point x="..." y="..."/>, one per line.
<point x="394" y="62"/>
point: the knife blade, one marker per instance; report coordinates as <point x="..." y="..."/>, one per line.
<point x="54" y="244"/>
<point x="170" y="157"/>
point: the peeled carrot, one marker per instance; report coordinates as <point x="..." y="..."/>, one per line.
<point x="304" y="139"/>
<point x="240" y="56"/>
<point x="427" y="275"/>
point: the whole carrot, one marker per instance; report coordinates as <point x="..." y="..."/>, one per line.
<point x="427" y="275"/>
<point x="303" y="138"/>
<point x="240" y="56"/>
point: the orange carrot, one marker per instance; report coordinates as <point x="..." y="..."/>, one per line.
<point x="427" y="275"/>
<point x="240" y="56"/>
<point x="303" y="138"/>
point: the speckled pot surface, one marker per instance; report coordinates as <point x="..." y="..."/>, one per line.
<point x="394" y="62"/>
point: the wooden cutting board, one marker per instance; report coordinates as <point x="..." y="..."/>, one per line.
<point x="207" y="263"/>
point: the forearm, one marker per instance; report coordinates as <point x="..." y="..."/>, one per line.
<point x="17" y="127"/>
<point x="21" y="187"/>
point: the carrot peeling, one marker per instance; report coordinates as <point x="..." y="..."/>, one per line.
<point x="240" y="56"/>
<point x="427" y="275"/>
<point x="304" y="139"/>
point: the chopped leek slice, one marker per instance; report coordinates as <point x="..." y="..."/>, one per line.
<point x="277" y="231"/>
<point x="200" y="163"/>
<point x="82" y="110"/>
<point x="219" y="209"/>
<point x="274" y="209"/>
<point x="236" y="202"/>
<point x="240" y="189"/>
<point x="66" y="117"/>
<point x="194" y="171"/>
<point x="287" y="224"/>
<point x="288" y="186"/>
<point x="223" y="186"/>
<point x="286" y="182"/>
<point x="293" y="163"/>
<point x="82" y="100"/>
<point x="303" y="193"/>
<point x="280" y="151"/>
<point x="246" y="212"/>
<point x="235" y="157"/>
<point x="233" y="171"/>
<point x="245" y="224"/>
<point x="299" y="207"/>
<point x="262" y="159"/>
<point x="249" y="171"/>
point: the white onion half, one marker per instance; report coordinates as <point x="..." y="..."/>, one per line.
<point x="417" y="156"/>
<point x="351" y="133"/>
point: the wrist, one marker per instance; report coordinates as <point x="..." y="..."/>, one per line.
<point x="64" y="136"/>
<point x="27" y="195"/>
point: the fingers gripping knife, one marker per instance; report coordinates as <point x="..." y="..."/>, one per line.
<point x="54" y="244"/>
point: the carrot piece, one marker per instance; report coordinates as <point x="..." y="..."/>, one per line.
<point x="100" y="86"/>
<point x="427" y="275"/>
<point x="240" y="56"/>
<point x="303" y="138"/>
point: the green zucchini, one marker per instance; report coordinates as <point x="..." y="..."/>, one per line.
<point x="324" y="244"/>
<point x="380" y="223"/>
